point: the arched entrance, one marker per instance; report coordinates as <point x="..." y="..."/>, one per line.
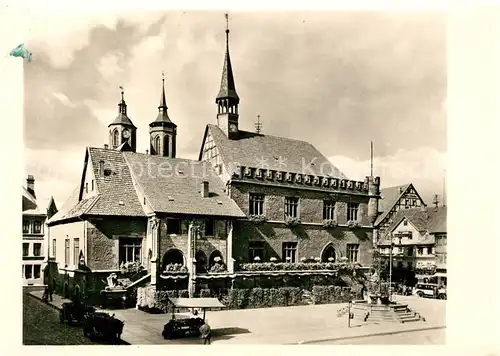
<point x="329" y="254"/>
<point x="213" y="257"/>
<point x="201" y="261"/>
<point x="172" y="256"/>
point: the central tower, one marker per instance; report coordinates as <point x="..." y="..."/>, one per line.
<point x="227" y="100"/>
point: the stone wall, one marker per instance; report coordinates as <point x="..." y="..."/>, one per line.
<point x="103" y="240"/>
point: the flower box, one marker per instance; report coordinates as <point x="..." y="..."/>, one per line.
<point x="327" y="223"/>
<point x="257" y="219"/>
<point x="175" y="268"/>
<point x="292" y="221"/>
<point x="352" y="224"/>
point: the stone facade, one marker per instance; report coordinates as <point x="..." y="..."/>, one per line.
<point x="310" y="235"/>
<point x="104" y="241"/>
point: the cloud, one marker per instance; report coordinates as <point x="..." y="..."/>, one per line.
<point x="337" y="80"/>
<point x="424" y="167"/>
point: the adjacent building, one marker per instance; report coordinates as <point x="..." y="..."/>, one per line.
<point x="418" y="238"/>
<point x="34" y="245"/>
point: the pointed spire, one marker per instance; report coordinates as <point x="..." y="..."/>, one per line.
<point x="227" y="87"/>
<point x="162" y="109"/>
<point x="163" y="101"/>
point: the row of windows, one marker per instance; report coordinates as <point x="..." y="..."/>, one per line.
<point x="31" y="271"/>
<point x="256" y="207"/>
<point x="27" y="225"/>
<point x="421" y="251"/>
<point x="289" y="251"/>
<point x="174" y="227"/>
<point x="76" y="250"/>
<point x="37" y="249"/>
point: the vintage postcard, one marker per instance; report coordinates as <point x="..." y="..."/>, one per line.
<point x="229" y="177"/>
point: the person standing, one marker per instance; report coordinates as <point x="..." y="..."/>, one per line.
<point x="206" y="333"/>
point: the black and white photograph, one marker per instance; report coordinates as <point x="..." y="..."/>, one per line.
<point x="235" y="177"/>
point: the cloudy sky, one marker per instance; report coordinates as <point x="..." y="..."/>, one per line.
<point x="337" y="80"/>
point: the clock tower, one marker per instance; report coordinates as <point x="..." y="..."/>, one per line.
<point x="122" y="132"/>
<point x="162" y="131"/>
<point x="227" y="100"/>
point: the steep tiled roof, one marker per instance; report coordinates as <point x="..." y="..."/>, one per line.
<point x="227" y="87"/>
<point x="122" y="119"/>
<point x="390" y="196"/>
<point x="29" y="201"/>
<point x="271" y="152"/>
<point x="116" y="191"/>
<point x="430" y="219"/>
<point x="72" y="207"/>
<point x="170" y="191"/>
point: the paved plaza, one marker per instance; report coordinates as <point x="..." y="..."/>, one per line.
<point x="284" y="325"/>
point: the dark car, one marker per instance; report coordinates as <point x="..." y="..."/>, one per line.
<point x="100" y="324"/>
<point x="176" y="328"/>
<point x="74" y="312"/>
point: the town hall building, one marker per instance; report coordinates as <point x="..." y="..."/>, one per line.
<point x="248" y="198"/>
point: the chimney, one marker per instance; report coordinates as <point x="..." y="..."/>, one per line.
<point x="147" y="151"/>
<point x="204" y="189"/>
<point x="30" y="185"/>
<point x="101" y="168"/>
<point x="106" y="146"/>
<point x="400" y="190"/>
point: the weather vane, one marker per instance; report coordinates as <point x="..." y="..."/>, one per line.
<point x="122" y="91"/>
<point x="227" y="21"/>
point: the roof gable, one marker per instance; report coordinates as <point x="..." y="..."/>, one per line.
<point x="423" y="219"/>
<point x="117" y="195"/>
<point x="271" y="152"/>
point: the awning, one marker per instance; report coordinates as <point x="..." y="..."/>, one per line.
<point x="440" y="274"/>
<point x="196" y="303"/>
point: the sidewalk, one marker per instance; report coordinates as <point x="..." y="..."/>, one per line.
<point x="280" y="325"/>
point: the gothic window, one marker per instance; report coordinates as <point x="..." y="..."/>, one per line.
<point x="157" y="145"/>
<point x="256" y="204"/>
<point x="352" y="211"/>
<point x="291" y="207"/>
<point x="329" y="210"/>
<point x="116" y="138"/>
<point x="352" y="252"/>
<point x="290" y="252"/>
<point x="255" y="249"/>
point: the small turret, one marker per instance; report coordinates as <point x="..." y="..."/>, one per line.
<point x="374" y="193"/>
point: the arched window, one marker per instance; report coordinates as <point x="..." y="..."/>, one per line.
<point x="328" y="254"/>
<point x="213" y="257"/>
<point x="166" y="145"/>
<point x="116" y="138"/>
<point x="172" y="256"/>
<point x="157" y="144"/>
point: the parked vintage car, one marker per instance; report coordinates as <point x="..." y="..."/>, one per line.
<point x="100" y="324"/>
<point x="176" y="328"/>
<point x="74" y="312"/>
<point x="430" y="290"/>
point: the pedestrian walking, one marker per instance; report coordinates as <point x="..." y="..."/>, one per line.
<point x="206" y="333"/>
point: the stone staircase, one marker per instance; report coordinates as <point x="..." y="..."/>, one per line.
<point x="392" y="313"/>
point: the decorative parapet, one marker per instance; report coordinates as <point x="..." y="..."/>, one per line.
<point x="300" y="179"/>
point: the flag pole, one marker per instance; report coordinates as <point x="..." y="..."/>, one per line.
<point x="371" y="158"/>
